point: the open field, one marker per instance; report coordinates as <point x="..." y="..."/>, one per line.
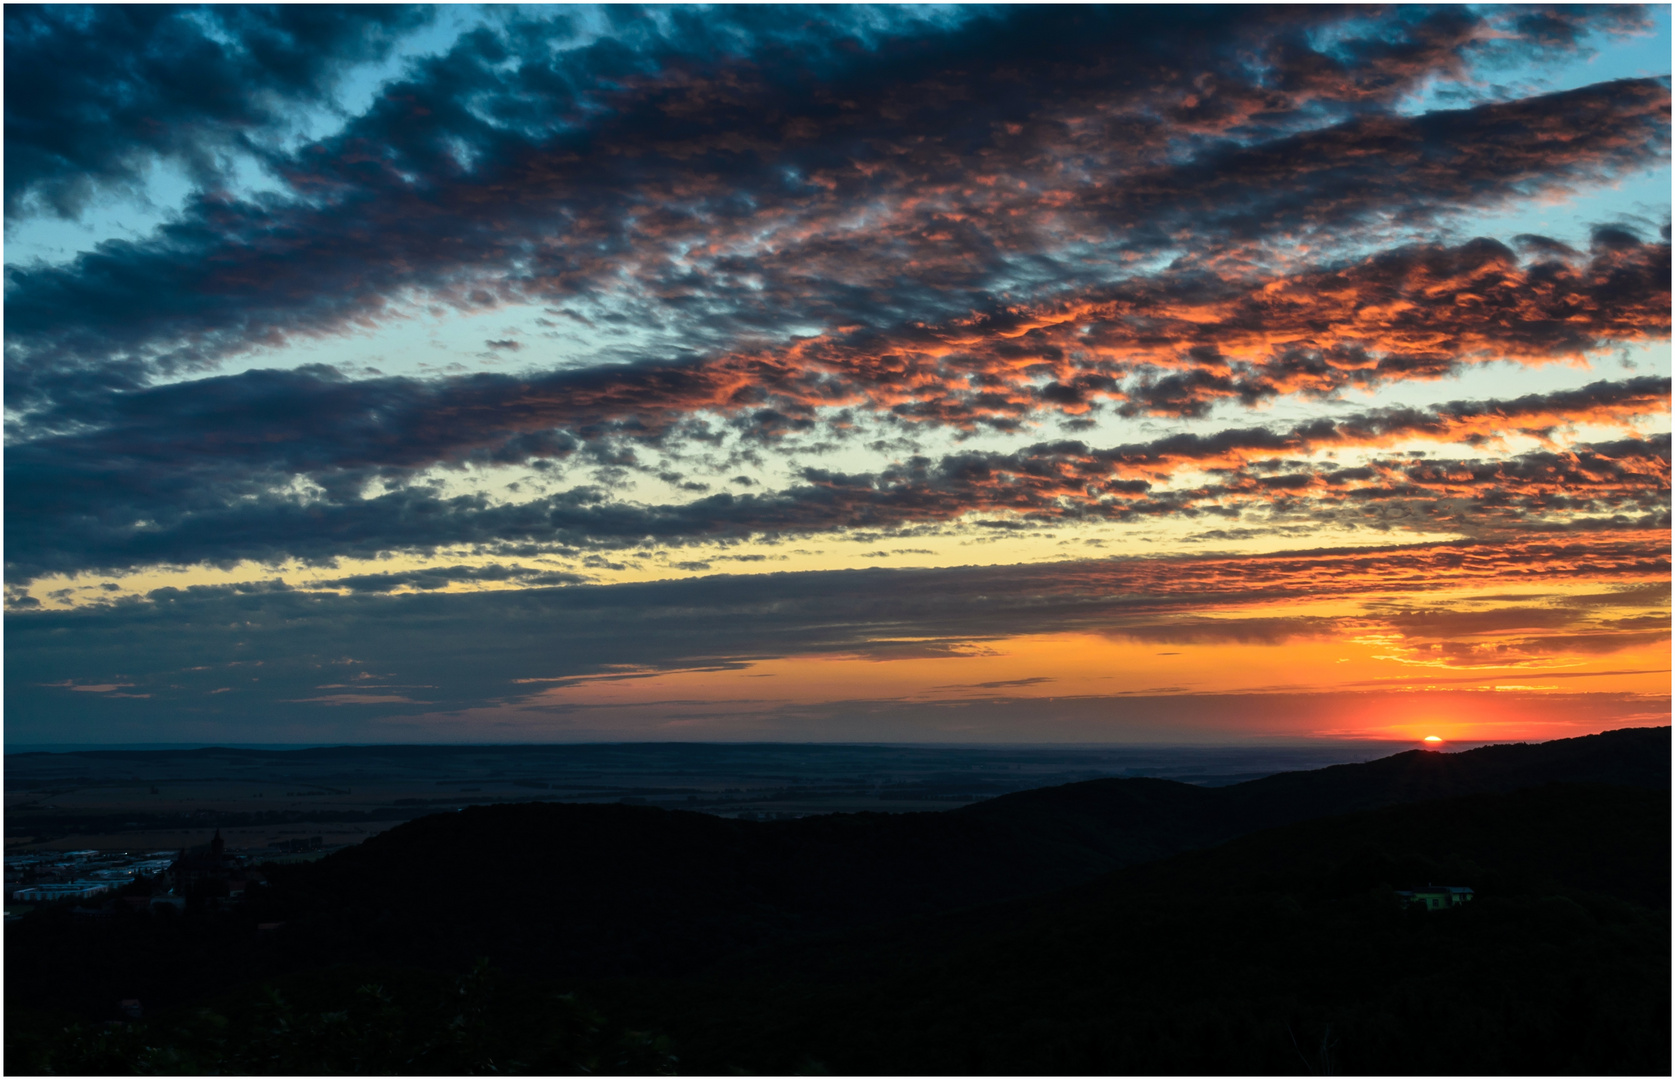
<point x="121" y="799"/>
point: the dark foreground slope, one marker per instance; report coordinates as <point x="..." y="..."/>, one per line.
<point x="592" y="891"/>
<point x="756" y="944"/>
<point x="1282" y="952"/>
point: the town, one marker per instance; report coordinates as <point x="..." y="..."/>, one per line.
<point x="166" y="881"/>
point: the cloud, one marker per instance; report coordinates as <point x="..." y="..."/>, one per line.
<point x="999" y="684"/>
<point x="91" y="688"/>
<point x="97" y="96"/>
<point x="1404" y="314"/>
<point x="71" y="509"/>
<point x="441" y="577"/>
<point x="717" y="192"/>
<point x="908" y="184"/>
<point x="354" y="699"/>
<point x="185" y="647"/>
<point x="791" y="235"/>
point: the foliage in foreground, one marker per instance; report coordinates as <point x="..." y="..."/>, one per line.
<point x="352" y="1023"/>
<point x="1282" y="952"/>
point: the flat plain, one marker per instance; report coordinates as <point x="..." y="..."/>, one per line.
<point x="168" y="798"/>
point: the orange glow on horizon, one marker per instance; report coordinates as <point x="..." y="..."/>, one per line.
<point x="1427" y="646"/>
<point x="1460" y="703"/>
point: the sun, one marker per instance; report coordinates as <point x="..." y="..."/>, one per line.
<point x="1433" y="740"/>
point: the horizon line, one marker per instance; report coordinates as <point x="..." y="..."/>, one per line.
<point x="1289" y="742"/>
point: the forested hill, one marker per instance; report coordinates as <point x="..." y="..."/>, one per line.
<point x="1121" y="822"/>
<point x="611" y="891"/>
<point x="755" y="945"/>
<point x="622" y="890"/>
<point x="1282" y="952"/>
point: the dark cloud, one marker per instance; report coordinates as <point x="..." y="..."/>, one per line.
<point x="97" y="95"/>
<point x="72" y="509"/>
<point x="1186" y="629"/>
<point x="1438" y="622"/>
<point x="272" y="644"/>
<point x="440" y="577"/>
<point x="668" y="132"/>
<point x="1001" y="684"/>
<point x="1170" y="345"/>
<point x="806" y="230"/>
<point x="710" y="189"/>
<point x="188" y="450"/>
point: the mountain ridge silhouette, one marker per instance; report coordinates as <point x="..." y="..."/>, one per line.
<point x="628" y="890"/>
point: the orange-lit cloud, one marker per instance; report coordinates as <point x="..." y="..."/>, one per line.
<point x="1519" y="622"/>
<point x="695" y="288"/>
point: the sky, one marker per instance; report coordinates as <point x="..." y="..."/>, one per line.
<point x="968" y="374"/>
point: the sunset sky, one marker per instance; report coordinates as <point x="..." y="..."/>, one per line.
<point x="927" y="374"/>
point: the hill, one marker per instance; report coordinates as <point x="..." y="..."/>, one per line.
<point x="1121" y="822"/>
<point x="1284" y="951"/>
<point x="596" y="891"/>
<point x="756" y="942"/>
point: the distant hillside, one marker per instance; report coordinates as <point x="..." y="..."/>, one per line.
<point x="600" y="890"/>
<point x="610" y="890"/>
<point x="1129" y="821"/>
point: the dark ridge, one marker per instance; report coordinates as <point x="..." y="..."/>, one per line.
<point x="1250" y="958"/>
<point x="1131" y="820"/>
<point x="624" y="890"/>
<point x="1093" y="927"/>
